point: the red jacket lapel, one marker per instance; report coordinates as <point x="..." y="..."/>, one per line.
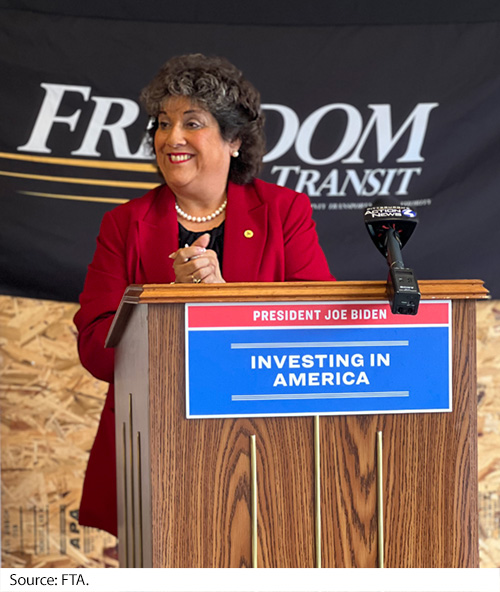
<point x="245" y="234"/>
<point x="158" y="236"/>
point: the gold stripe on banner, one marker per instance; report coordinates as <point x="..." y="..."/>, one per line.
<point x="78" y="162"/>
<point x="102" y="182"/>
<point x="114" y="200"/>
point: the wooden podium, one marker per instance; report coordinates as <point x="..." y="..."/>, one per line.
<point x="325" y="492"/>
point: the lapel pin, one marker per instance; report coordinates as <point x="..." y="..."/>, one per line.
<point x="248" y="233"/>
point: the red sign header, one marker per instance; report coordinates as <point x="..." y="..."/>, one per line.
<point x="312" y="314"/>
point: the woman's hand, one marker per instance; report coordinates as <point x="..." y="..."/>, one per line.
<point x="196" y="263"/>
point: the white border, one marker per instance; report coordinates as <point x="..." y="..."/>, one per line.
<point x="309" y="303"/>
<point x="295" y="327"/>
<point x="260" y="580"/>
<point x="447" y="409"/>
<point x="186" y="357"/>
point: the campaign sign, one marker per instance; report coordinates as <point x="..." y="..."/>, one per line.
<point x="316" y="358"/>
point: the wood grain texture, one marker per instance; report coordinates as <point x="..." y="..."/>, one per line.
<point x="201" y="474"/>
<point x="285" y="454"/>
<point x="44" y="455"/>
<point x="134" y="489"/>
<point x="244" y="291"/>
<point x="430" y="477"/>
<point x="282" y="291"/>
<point x="200" y="469"/>
<point x="348" y="468"/>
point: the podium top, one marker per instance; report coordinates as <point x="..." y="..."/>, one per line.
<point x="281" y="291"/>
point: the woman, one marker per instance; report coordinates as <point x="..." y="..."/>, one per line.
<point x="211" y="222"/>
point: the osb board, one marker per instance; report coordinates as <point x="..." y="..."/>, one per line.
<point x="49" y="412"/>
<point x="49" y="407"/>
<point x="488" y="376"/>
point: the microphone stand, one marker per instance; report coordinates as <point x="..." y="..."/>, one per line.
<point x="402" y="286"/>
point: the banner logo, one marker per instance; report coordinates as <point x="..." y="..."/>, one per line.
<point x="407" y="141"/>
<point x="404" y="144"/>
<point x="50" y="115"/>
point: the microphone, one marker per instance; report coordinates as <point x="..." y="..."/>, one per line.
<point x="390" y="225"/>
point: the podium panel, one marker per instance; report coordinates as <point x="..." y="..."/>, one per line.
<point x="398" y="490"/>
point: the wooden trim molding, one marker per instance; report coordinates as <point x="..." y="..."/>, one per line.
<point x="281" y="291"/>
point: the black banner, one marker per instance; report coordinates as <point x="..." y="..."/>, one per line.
<point x="354" y="114"/>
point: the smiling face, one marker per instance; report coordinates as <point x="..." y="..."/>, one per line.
<point x="191" y="153"/>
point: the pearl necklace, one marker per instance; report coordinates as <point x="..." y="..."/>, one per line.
<point x="217" y="212"/>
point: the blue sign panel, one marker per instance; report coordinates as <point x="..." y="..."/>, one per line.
<point x="254" y="360"/>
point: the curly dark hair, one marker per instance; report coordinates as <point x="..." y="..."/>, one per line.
<point x="219" y="87"/>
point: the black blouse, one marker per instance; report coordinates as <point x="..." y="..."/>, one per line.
<point x="187" y="238"/>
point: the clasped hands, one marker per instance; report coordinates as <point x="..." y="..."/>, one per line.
<point x="196" y="263"/>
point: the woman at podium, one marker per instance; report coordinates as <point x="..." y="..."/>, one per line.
<point x="211" y="221"/>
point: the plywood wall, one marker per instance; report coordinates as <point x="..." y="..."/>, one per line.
<point x="488" y="360"/>
<point x="49" y="412"/>
<point x="50" y="407"/>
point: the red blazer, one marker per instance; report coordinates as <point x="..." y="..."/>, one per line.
<point x="133" y="247"/>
